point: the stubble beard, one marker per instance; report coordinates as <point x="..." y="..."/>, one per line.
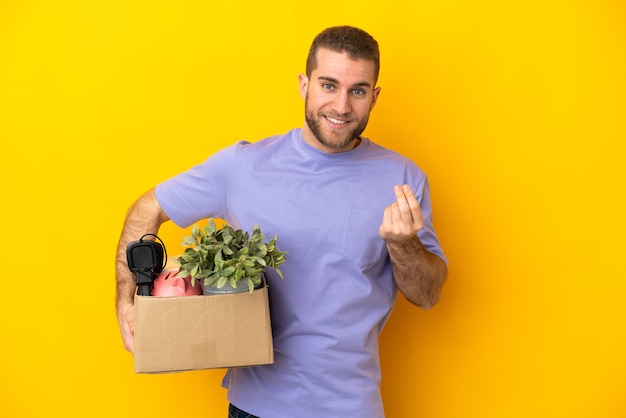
<point x="338" y="141"/>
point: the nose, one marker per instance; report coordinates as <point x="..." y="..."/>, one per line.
<point x="341" y="103"/>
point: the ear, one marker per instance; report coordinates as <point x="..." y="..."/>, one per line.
<point x="303" y="80"/>
<point x="375" y="94"/>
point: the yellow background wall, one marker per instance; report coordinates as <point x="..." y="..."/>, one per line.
<point x="516" y="110"/>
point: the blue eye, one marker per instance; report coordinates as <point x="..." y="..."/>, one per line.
<point x="358" y="92"/>
<point x="328" y="86"/>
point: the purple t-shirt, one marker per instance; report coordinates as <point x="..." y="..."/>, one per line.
<point x="338" y="289"/>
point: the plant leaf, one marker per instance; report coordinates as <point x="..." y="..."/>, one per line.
<point x="221" y="282"/>
<point x="217" y="260"/>
<point x="188" y="241"/>
<point x="228" y="271"/>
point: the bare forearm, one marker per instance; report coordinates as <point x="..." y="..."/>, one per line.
<point x="144" y="217"/>
<point x="418" y="273"/>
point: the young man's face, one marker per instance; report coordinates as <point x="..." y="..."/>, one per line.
<point x="339" y="96"/>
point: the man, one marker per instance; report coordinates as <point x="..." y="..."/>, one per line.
<point x="355" y="219"/>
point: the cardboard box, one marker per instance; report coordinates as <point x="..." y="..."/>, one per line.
<point x="175" y="334"/>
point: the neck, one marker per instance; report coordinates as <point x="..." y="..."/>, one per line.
<point x="312" y="140"/>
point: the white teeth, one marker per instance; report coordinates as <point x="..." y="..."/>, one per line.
<point x="333" y="120"/>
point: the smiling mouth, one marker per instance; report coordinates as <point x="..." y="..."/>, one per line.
<point x="335" y="121"/>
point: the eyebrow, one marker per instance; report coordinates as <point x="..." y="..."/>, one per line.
<point x="333" y="80"/>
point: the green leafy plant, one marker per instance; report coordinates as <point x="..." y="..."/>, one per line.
<point x="221" y="256"/>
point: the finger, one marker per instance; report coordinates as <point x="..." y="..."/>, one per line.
<point x="387" y="216"/>
<point x="416" y="209"/>
<point x="385" y="225"/>
<point x="403" y="203"/>
<point x="396" y="214"/>
<point x="410" y="198"/>
<point x="413" y="208"/>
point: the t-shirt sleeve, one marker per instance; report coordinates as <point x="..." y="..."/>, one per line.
<point x="200" y="192"/>
<point x="427" y="234"/>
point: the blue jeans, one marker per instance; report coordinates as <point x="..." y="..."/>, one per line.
<point x="234" y="412"/>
